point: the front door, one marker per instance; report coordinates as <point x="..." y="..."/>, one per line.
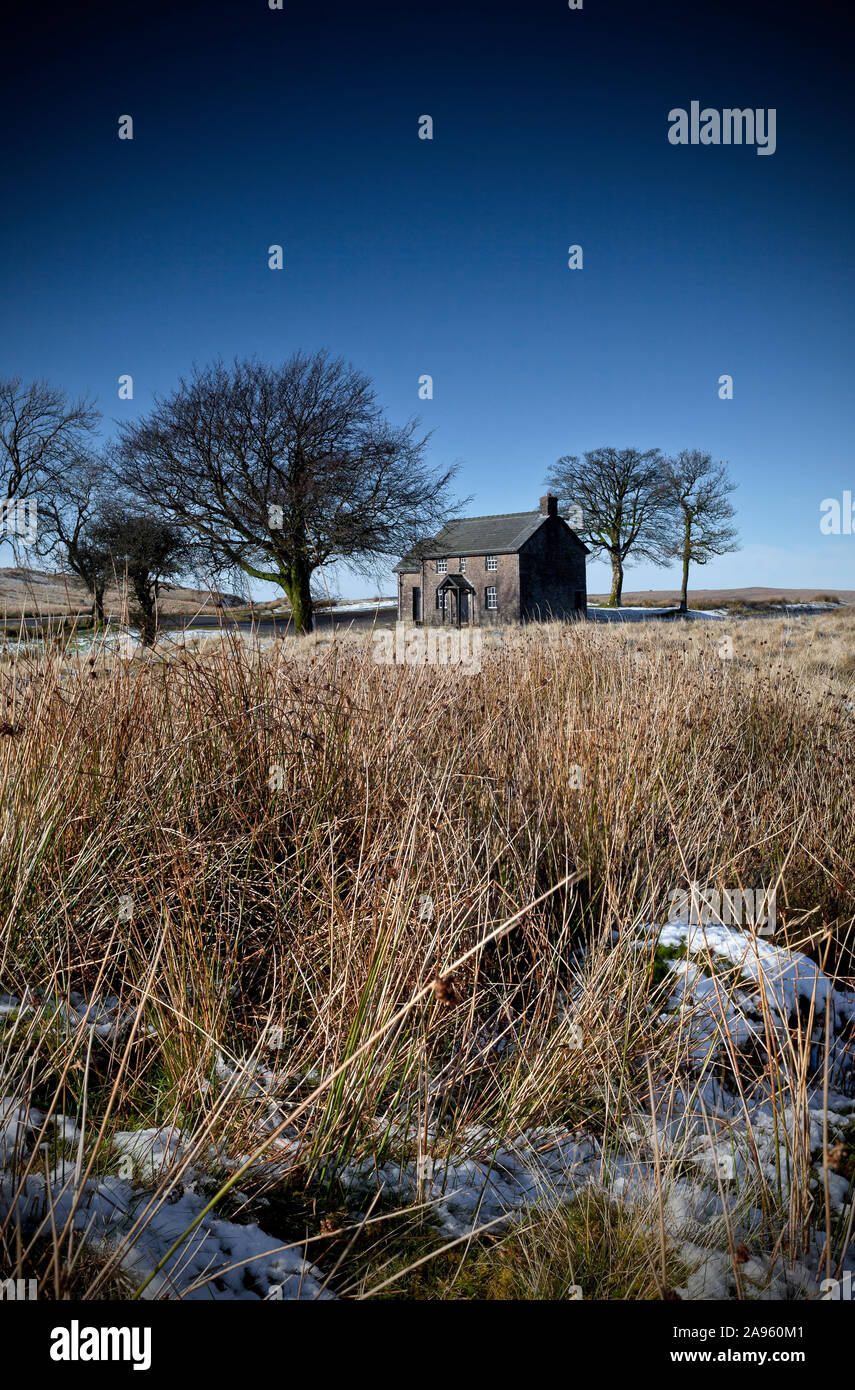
<point x="462" y="607"/>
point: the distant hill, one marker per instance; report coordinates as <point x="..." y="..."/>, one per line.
<point x="33" y="593"/>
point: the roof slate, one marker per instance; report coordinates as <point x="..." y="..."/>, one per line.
<point x="504" y="534"/>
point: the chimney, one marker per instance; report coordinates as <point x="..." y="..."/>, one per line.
<point x="549" y="505"/>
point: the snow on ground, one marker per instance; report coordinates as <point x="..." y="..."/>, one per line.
<point x="360" y="605"/>
<point x="219" y="1259"/>
<point x="728" y="1141"/>
<point x="345" y="605"/>
<point x="722" y="1135"/>
<point x="639" y="613"/>
<point x="104" y="1016"/>
<point x="599" y="614"/>
<point x="792" y="986"/>
<point x="818" y="607"/>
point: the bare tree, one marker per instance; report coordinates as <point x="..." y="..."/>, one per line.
<point x="619" y="492"/>
<point x="70" y="506"/>
<point x="41" y="429"/>
<point x="698" y="491"/>
<point x="279" y="470"/>
<point x="146" y="549"/>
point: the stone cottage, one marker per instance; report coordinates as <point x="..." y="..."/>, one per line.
<point x="519" y="566"/>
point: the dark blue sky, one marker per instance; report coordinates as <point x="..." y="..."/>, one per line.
<point x="449" y="257"/>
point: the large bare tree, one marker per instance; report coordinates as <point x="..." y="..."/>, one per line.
<point x="698" y="491"/>
<point x="69" y="510"/>
<point x="41" y="429"/>
<point x="280" y="469"/>
<point x="623" y="509"/>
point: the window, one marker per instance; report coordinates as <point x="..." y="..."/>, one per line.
<point x="440" y="598"/>
<point x="492" y="596"/>
<point x="462" y="563"/>
<point x="491" y="562"/>
<point x="442" y="566"/>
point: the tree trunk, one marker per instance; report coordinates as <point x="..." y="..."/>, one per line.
<point x="145" y="599"/>
<point x="297" y="583"/>
<point x="617" y="582"/>
<point x="684" y="603"/>
<point x="98" y="606"/>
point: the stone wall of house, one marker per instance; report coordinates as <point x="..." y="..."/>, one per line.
<point x="406" y="584"/>
<point x="505" y="578"/>
<point x="553" y="580"/>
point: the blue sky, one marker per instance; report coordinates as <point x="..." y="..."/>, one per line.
<point x="449" y="257"/>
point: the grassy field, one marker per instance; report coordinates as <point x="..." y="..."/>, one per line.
<point x="748" y="600"/>
<point x="334" y="977"/>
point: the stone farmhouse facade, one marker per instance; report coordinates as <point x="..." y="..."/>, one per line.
<point x="479" y="570"/>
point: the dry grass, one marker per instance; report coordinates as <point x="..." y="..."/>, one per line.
<point x="422" y="824"/>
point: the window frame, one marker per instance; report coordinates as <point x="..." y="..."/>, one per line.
<point x="488" y="606"/>
<point x="441" y="566"/>
<point x="491" y="563"/>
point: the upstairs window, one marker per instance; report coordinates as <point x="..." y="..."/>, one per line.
<point x="491" y="562"/>
<point x="492" y="596"/>
<point x="442" y="566"/>
<point x="462" y="563"/>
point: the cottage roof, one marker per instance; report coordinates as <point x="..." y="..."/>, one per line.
<point x="504" y="534"/>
